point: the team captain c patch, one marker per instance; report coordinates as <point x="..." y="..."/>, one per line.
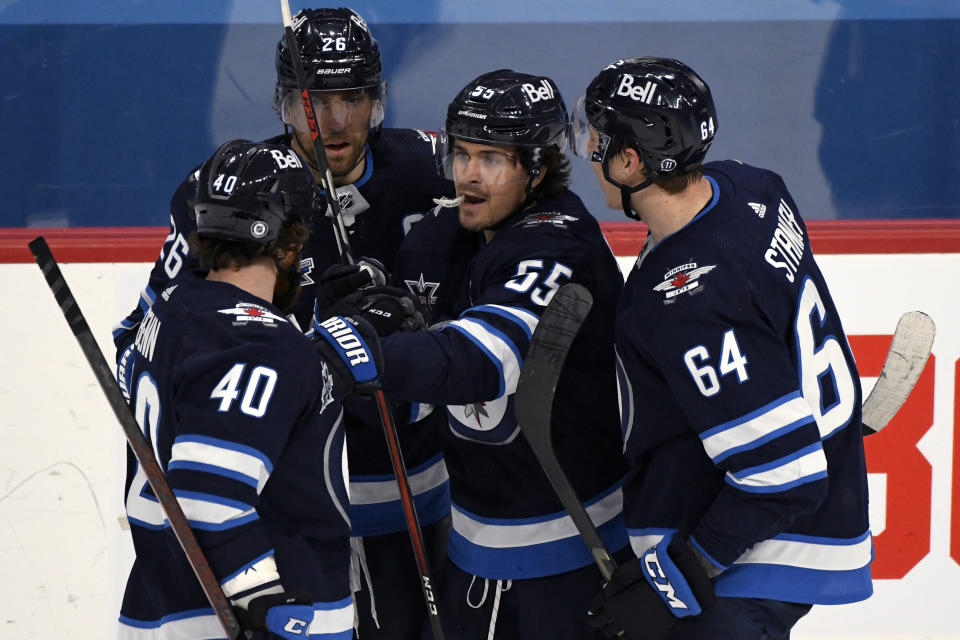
<point x="682" y="279"/>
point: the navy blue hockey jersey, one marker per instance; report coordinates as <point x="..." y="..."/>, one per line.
<point x="741" y="400"/>
<point x="507" y="523"/>
<point x="240" y="412"/>
<point x="396" y="189"/>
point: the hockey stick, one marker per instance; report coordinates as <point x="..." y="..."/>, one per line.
<point x="533" y="404"/>
<point x="383" y="406"/>
<point x="909" y="350"/>
<point x="138" y="442"/>
<point x="320" y="156"/>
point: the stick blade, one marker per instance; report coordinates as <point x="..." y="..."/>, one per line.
<point x="558" y="326"/>
<point x="909" y="350"/>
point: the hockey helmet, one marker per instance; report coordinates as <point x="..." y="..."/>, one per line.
<point x="509" y="108"/>
<point x="659" y="106"/>
<point x="338" y="53"/>
<point x="247" y="190"/>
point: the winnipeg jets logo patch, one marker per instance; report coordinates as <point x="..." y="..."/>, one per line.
<point x="247" y="312"/>
<point x="555" y="218"/>
<point x="425" y="291"/>
<point x="683" y="279"/>
<point x="326" y="396"/>
<point x="759" y="209"/>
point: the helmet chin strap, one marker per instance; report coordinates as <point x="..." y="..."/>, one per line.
<point x="625" y="191"/>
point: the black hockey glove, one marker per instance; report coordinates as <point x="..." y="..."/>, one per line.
<point x="278" y="615"/>
<point x="646" y="597"/>
<point x="342" y="279"/>
<point x="351" y="349"/>
<point x="388" y="309"/>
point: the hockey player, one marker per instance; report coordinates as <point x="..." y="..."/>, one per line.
<point x="740" y="399"/>
<point x="386" y="179"/>
<point x="245" y="419"/>
<point x="516" y="567"/>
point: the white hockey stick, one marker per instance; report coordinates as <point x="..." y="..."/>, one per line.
<point x="912" y="340"/>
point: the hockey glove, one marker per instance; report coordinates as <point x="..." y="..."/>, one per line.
<point x="278" y="615"/>
<point x="388" y="309"/>
<point x="351" y="349"/>
<point x="646" y="597"/>
<point x="343" y="279"/>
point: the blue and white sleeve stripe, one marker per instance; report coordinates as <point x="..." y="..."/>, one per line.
<point x="497" y="347"/>
<point x="220" y="457"/>
<point x="757" y="428"/>
<point x="807" y="465"/>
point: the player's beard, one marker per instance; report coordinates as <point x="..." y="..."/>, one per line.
<point x="286" y="291"/>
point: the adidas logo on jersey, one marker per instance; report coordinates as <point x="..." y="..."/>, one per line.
<point x="759" y="209"/>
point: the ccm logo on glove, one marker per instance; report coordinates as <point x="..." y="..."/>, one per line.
<point x="347" y="339"/>
<point x="658" y="579"/>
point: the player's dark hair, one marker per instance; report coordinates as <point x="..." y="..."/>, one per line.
<point x="217" y="254"/>
<point x="556" y="179"/>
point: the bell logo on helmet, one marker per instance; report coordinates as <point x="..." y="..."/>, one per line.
<point x="642" y="94"/>
<point x="667" y="165"/>
<point x="259" y="229"/>
<point x="285" y="160"/>
<point x="536" y="94"/>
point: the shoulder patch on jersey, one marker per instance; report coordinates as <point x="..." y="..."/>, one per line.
<point x="247" y="312"/>
<point x="425" y="291"/>
<point x="326" y="396"/>
<point x="555" y="218"/>
<point x="683" y="279"/>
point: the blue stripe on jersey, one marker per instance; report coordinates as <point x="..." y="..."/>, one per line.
<point x="419" y="411"/>
<point x="526" y="320"/>
<point x="180" y="615"/>
<point x="713" y="202"/>
<point x="211" y="498"/>
<point x="214" y="513"/>
<point x="800" y="467"/>
<point x="467" y="324"/>
<point x="332" y="620"/>
<point x="375" y="506"/>
<point x="749" y="431"/>
<point x="515" y="548"/>
<point x="247" y="566"/>
<point x="215" y="449"/>
<point x="214" y="469"/>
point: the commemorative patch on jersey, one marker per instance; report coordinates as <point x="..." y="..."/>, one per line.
<point x="247" y="312"/>
<point x="425" y="291"/>
<point x="306" y="268"/>
<point x="683" y="279"/>
<point x="555" y="218"/>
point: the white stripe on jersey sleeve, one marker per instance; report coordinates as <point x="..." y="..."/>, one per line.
<point x="756" y="428"/>
<point x="221" y="457"/>
<point x="804" y="466"/>
<point x="209" y="512"/>
<point x="527" y="320"/>
<point x="497" y="347"/>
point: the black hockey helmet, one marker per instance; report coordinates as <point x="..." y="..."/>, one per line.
<point x="509" y="108"/>
<point x="338" y="53"/>
<point x="247" y="190"/>
<point x="659" y="106"/>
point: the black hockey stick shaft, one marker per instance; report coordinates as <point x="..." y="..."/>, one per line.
<point x="320" y="155"/>
<point x="533" y="404"/>
<point x="138" y="442"/>
<point x="409" y="511"/>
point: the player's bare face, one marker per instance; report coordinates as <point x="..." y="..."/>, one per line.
<point x="491" y="180"/>
<point x="344" y="120"/>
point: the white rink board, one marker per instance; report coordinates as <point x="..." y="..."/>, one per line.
<point x="64" y="555"/>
